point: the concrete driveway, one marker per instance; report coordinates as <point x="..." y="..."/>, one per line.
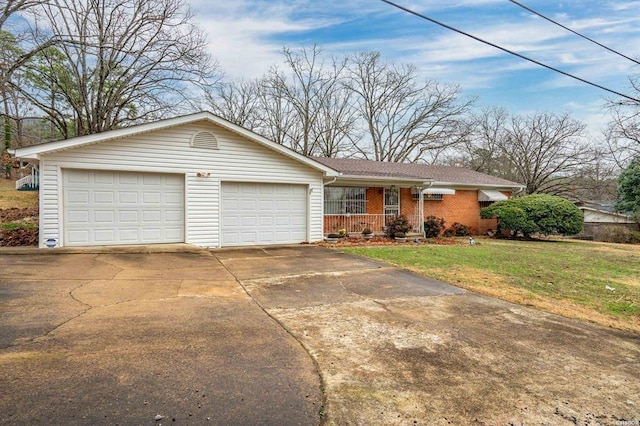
<point x="120" y="338"/>
<point x="396" y="348"/>
<point x="246" y="336"/>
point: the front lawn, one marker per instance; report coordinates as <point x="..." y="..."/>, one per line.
<point x="10" y="198"/>
<point x="571" y="278"/>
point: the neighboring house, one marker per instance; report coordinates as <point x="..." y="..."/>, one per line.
<point x="596" y="217"/>
<point x="368" y="193"/>
<point x="196" y="179"/>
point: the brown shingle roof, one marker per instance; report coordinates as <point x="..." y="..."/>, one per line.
<point x="439" y="174"/>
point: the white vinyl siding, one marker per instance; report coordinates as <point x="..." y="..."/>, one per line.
<point x="170" y="151"/>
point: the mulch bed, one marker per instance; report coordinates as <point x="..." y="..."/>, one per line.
<point x="384" y="241"/>
<point x="21" y="236"/>
<point x="14" y="213"/>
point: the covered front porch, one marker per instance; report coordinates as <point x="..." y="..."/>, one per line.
<point x="353" y="205"/>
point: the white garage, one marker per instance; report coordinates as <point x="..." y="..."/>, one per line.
<point x="196" y="179"/>
<point x="110" y="207"/>
<point x="263" y="213"/>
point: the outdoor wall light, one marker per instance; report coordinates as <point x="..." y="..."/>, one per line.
<point x="203" y="174"/>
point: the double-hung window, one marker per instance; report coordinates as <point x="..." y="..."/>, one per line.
<point x="345" y="200"/>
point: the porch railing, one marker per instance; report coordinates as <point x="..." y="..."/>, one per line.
<point x="29" y="181"/>
<point x="355" y="223"/>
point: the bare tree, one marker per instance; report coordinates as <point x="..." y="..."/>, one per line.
<point x="545" y="150"/>
<point x="313" y="91"/>
<point x="483" y="151"/>
<point x="405" y="119"/>
<point x="336" y="131"/>
<point x="125" y="61"/>
<point x="237" y="102"/>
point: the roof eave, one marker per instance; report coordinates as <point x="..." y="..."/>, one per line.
<point x="382" y="180"/>
<point x="505" y="187"/>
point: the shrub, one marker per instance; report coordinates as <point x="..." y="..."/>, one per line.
<point x="433" y="227"/>
<point x="535" y="214"/>
<point x="457" y="230"/>
<point x="397" y="224"/>
<point x="617" y="234"/>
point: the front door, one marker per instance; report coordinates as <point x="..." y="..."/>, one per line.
<point x="391" y="201"/>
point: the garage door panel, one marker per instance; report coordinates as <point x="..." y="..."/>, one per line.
<point x="104" y="208"/>
<point x="78" y="237"/>
<point x="103" y="235"/>
<point x="174" y="198"/>
<point x="127" y="178"/>
<point x="263" y="213"/>
<point x="78" y="197"/>
<point x="78" y="216"/>
<point x="128" y="197"/>
<point x="103" y="178"/>
<point x="128" y="216"/>
<point x="151" y="197"/>
<point x="104" y="216"/>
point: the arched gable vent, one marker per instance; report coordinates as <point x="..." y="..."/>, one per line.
<point x="204" y="140"/>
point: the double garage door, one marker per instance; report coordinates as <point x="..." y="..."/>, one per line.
<point x="112" y="208"/>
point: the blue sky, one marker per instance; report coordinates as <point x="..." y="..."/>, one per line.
<point x="247" y="35"/>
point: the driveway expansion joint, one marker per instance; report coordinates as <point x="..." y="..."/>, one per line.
<point x="323" y="385"/>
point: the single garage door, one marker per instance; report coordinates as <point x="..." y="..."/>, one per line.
<point x="262" y="213"/>
<point x="108" y="208"/>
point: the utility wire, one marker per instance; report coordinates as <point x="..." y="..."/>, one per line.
<point x="511" y="52"/>
<point x="574" y="32"/>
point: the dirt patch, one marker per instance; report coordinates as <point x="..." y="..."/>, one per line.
<point x="19" y="227"/>
<point x="15" y="214"/>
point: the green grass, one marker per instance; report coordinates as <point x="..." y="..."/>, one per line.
<point x="17" y="225"/>
<point x="565" y="277"/>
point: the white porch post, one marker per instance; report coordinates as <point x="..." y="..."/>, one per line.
<point x="421" y="212"/>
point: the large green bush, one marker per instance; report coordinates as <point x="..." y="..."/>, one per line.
<point x="536" y="214"/>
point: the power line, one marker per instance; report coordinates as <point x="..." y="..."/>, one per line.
<point x="574" y="32"/>
<point x="511" y="52"/>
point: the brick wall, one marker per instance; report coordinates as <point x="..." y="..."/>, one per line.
<point x="463" y="207"/>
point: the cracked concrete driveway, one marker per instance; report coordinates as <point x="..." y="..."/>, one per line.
<point x="396" y="348"/>
<point x="119" y="338"/>
<point x="116" y="338"/>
